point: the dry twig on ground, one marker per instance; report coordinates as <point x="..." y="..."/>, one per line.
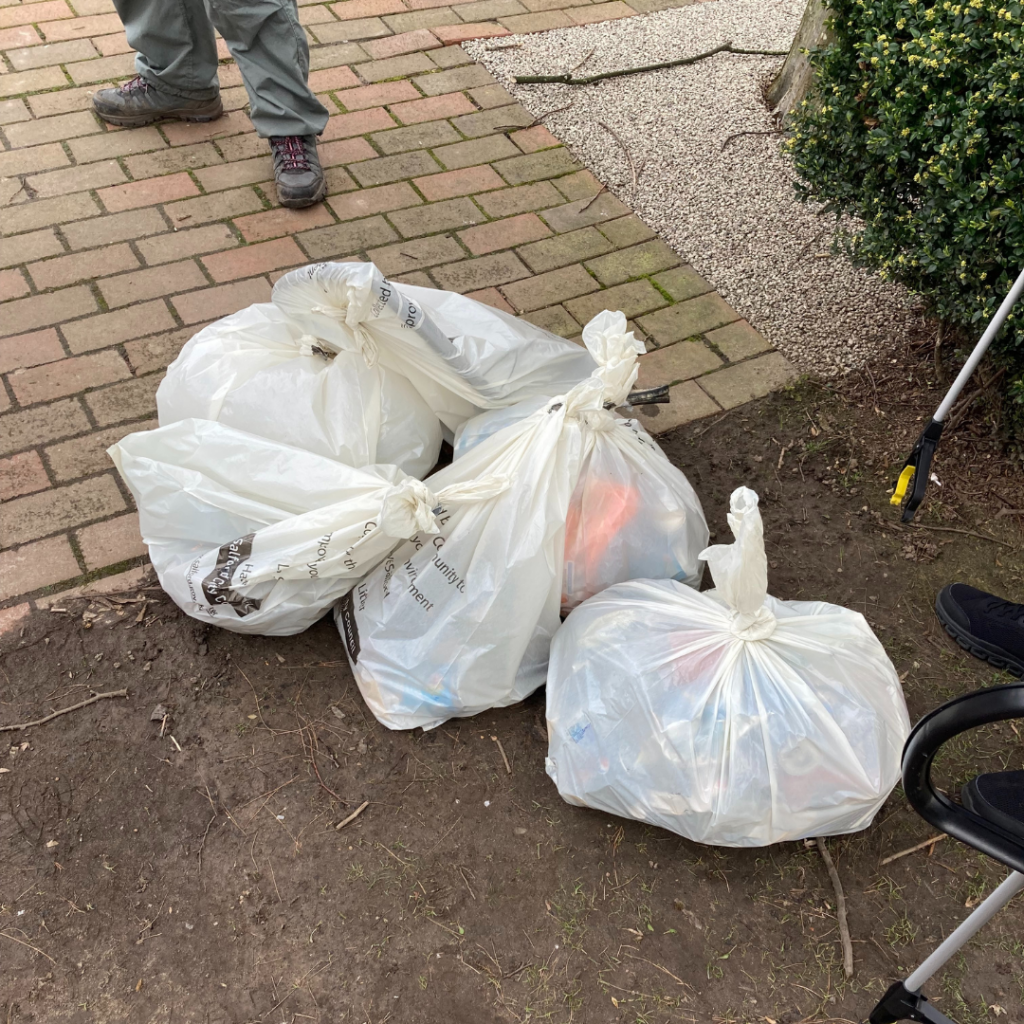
<point x="844" y="927"/>
<point x="590" y="202"/>
<point x="739" y="135"/>
<point x="352" y="817"/>
<point x="504" y="757"/>
<point x="573" y="70"/>
<point x="533" y="124"/>
<point x="311" y="755"/>
<point x="63" y="711"/>
<point x="622" y="146"/>
<point x="913" y="849"/>
<point x="22" y="942"/>
<point x="956" y="529"/>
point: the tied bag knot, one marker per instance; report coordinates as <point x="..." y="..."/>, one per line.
<point x="362" y="342"/>
<point x="616" y="352"/>
<point x="760" y="626"/>
<point x="598" y="421"/>
<point x="411" y="506"/>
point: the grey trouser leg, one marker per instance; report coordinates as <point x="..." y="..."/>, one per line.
<point x="270" y="48"/>
<point x="264" y="37"/>
<point x="177" y="53"/>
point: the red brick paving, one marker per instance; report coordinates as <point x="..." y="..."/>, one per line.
<point x="118" y="244"/>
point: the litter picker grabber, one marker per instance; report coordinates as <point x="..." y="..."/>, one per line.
<point x="917" y="468"/>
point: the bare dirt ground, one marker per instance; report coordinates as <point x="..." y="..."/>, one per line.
<point x="198" y="876"/>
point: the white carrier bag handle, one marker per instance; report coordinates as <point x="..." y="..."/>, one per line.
<point x="740" y="569"/>
<point x="334" y="548"/>
<point x="355" y="300"/>
<point x="329" y="546"/>
<point x="613" y="349"/>
<point x="460" y="355"/>
<point x="616" y="351"/>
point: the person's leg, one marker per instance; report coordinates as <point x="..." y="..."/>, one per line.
<point x="176" y="61"/>
<point x="176" y="51"/>
<point x="270" y="48"/>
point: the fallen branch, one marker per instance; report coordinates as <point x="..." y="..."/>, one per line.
<point x="913" y="849"/>
<point x="844" y="927"/>
<point x="63" y="711"/>
<point x="352" y="817"/>
<point x="615" y="136"/>
<point x="738" y="135"/>
<point x="681" y="62"/>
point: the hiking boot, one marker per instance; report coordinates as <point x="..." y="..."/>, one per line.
<point x="137" y="103"/>
<point x="297" y="170"/>
<point x="989" y="627"/>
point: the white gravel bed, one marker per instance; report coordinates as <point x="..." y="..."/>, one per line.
<point x="731" y="213"/>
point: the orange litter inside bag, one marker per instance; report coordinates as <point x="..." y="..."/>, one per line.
<point x="599" y="511"/>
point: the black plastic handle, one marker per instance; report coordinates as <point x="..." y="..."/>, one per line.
<point x="649" y="396"/>
<point x="926" y="739"/>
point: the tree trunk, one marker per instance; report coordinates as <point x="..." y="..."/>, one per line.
<point x="793" y="82"/>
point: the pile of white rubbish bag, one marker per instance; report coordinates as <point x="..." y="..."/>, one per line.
<point x="294" y="473"/>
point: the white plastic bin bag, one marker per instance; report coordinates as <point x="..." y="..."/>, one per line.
<point x="633" y="515"/>
<point x="456" y="623"/>
<point x="728" y="717"/>
<point x="259" y="537"/>
<point x="260" y="371"/>
<point x="461" y="355"/>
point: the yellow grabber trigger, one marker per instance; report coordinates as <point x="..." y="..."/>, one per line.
<point x="917" y="469"/>
<point x="901" y="485"/>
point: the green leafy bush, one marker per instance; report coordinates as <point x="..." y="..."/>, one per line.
<point x="916" y="127"/>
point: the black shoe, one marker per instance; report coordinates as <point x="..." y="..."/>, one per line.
<point x="137" y="103"/>
<point x="989" y="627"/>
<point x="297" y="170"/>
